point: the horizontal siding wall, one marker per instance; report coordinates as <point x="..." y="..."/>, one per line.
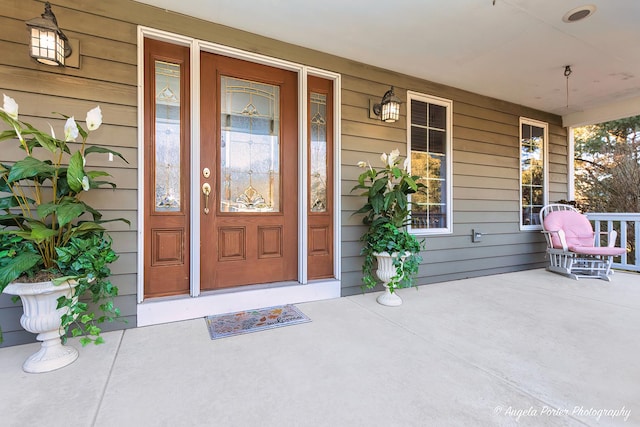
<point x="485" y="179"/>
<point x="485" y="132"/>
<point x="107" y="77"/>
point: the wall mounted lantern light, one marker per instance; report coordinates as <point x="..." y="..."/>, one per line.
<point x="388" y="109"/>
<point x="47" y="43"/>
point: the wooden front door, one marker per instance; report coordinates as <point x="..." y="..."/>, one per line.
<point x="248" y="173"/>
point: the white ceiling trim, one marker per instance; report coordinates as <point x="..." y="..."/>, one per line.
<point x="612" y="111"/>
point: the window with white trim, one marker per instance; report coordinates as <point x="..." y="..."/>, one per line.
<point x="429" y="142"/>
<point x="534" y="136"/>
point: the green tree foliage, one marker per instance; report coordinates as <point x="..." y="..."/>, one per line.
<point x="607" y="166"/>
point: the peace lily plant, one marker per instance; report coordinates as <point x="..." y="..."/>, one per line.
<point x="387" y="214"/>
<point x="47" y="232"/>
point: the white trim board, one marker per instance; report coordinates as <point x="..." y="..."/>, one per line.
<point x="163" y="310"/>
<point x="604" y="113"/>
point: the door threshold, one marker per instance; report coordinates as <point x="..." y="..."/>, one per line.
<point x="184" y="307"/>
<point x="245" y="288"/>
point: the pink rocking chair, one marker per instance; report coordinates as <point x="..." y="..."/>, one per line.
<point x="571" y="244"/>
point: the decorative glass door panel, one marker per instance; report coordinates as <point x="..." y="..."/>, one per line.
<point x="250" y="146"/>
<point x="167" y="137"/>
<point x="318" y="154"/>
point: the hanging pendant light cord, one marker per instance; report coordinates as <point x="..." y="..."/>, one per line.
<point x="567" y="73"/>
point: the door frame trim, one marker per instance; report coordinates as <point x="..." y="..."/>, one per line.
<point x="270" y="293"/>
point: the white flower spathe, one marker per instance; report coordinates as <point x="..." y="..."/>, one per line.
<point x="393" y="156"/>
<point x="70" y="130"/>
<point x="383" y="157"/>
<point x="53" y="133"/>
<point x="10" y="106"/>
<point x="85" y="183"/>
<point x="362" y="164"/>
<point x="407" y="165"/>
<point x="94" y="118"/>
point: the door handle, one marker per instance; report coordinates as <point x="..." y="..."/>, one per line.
<point x="206" y="190"/>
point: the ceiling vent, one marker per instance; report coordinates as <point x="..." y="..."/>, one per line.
<point x="579" y="13"/>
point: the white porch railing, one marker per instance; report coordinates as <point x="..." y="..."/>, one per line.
<point x="628" y="227"/>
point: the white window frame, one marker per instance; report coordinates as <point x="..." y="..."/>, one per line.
<point x="571" y="170"/>
<point x="545" y="165"/>
<point x="448" y="104"/>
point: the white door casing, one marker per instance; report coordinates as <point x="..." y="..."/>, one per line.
<point x="160" y="310"/>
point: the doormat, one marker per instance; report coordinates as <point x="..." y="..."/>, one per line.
<point x="244" y="322"/>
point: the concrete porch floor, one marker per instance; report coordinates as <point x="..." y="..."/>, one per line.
<point x="525" y="348"/>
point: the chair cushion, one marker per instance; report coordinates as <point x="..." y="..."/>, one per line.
<point x="597" y="250"/>
<point x="577" y="228"/>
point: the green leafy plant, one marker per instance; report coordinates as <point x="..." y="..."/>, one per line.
<point x="47" y="232"/>
<point x="86" y="259"/>
<point x="387" y="190"/>
<point x="387" y="214"/>
<point x="388" y="238"/>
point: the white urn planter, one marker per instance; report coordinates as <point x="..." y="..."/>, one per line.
<point x="385" y="272"/>
<point x="41" y="316"/>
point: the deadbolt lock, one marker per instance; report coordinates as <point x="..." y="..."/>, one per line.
<point x="206" y="172"/>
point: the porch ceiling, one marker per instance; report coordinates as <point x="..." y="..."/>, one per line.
<point x="515" y="50"/>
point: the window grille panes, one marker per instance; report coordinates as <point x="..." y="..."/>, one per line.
<point x="429" y="158"/>
<point x="437" y="116"/>
<point x="167" y="137"/>
<point x="418" y="113"/>
<point x="532" y="172"/>
<point x="318" y="154"/>
<point x="250" y="146"/>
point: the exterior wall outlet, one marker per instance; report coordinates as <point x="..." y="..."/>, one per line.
<point x="476" y="236"/>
